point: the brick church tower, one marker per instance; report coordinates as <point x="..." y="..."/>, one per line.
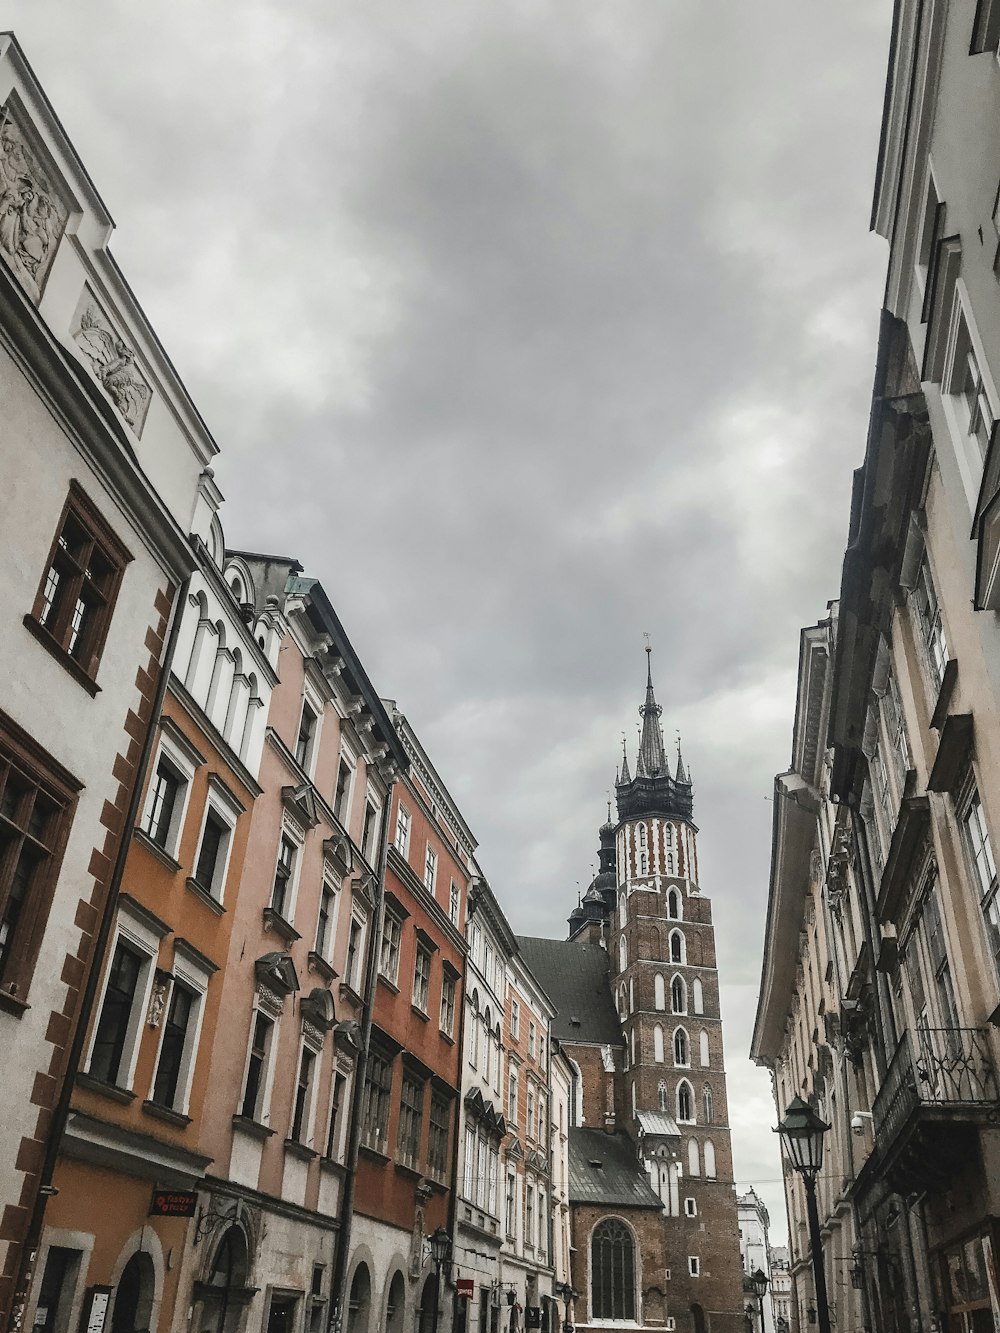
<point x="646" y="928"/>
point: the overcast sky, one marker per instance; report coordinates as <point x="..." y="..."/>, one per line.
<point x="528" y="327"/>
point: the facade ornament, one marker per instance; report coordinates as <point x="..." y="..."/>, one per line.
<point x="113" y="363"/>
<point x="158" y="998"/>
<point x="32" y="215"/>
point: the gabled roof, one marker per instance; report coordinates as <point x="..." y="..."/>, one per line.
<point x="576" y="978"/>
<point x="604" y="1169"/>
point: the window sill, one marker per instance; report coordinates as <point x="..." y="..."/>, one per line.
<point x="405" y="1169"/>
<point x="200" y="892"/>
<point x="376" y="1154"/>
<point x="12" y="1005"/>
<point x="446" y="1036"/>
<point x="318" y="964"/>
<point x="61" y="655"/>
<point x="420" y="1013"/>
<point x="167" y="1113"/>
<point x="252" y="1128"/>
<point x="152" y="846"/>
<point x="334" y="1167"/>
<point x="347" y="992"/>
<point x="109" y="1090"/>
<point x="274" y="921"/>
<point x="389" y="985"/>
<point x="299" y="1150"/>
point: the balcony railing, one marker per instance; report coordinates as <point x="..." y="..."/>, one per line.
<point x="935" y="1067"/>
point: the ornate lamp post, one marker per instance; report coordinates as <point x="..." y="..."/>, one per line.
<point x="440" y="1253"/>
<point x="759" y="1282"/>
<point x="569" y="1294"/>
<point x="802" y="1136"/>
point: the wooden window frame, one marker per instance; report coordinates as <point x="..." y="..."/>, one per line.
<point x="45" y="774"/>
<point x="99" y="535"/>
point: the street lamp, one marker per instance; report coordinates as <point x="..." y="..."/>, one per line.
<point x="802" y="1135"/>
<point x="759" y="1283"/>
<point x="569" y="1293"/>
<point x="440" y="1253"/>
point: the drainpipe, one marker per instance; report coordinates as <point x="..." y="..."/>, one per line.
<point x="358" y="1091"/>
<point x="60" y="1116"/>
<point x="459" y="1125"/>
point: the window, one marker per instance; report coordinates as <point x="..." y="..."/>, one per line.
<point x="659" y="997"/>
<point x="612" y="1265"/>
<point x="36" y="805"/>
<point x="706" y="1059"/>
<point x="304" y="742"/>
<point x="333" y="1131"/>
<point x="302" y="1112"/>
<point x="454" y="903"/>
<point x="512" y="1098"/>
<point x="164" y="804"/>
<point x="678" y="995"/>
<point x="709" y="1159"/>
<point x="694" y="1265"/>
<point x="324" y="921"/>
<point x="83" y="575"/>
<point x="529" y="1217"/>
<point x="531" y="1039"/>
<point x="515" y="1020"/>
<point x="281" y="893"/>
<point x="685" y="1101"/>
<point x="411" y="1111"/>
<point x="694" y="1158"/>
<point x="542" y="1224"/>
<point x="115" y="1022"/>
<point x="681" y="1055"/>
<point x="402" y="840"/>
<point x="529" y="1103"/>
<point x="674" y="905"/>
<point x="658" y="1044"/>
<point x="173" y="1046"/>
<point x="212" y="861"/>
<point x="422" y="978"/>
<point x="430" y="868"/>
<point x="708" y="1105"/>
<point x="469" y="1164"/>
<point x="255" y="1086"/>
<point x="448" y="1005"/>
<point x="698" y="996"/>
<point x="661" y="1091"/>
<point x="690" y="1208"/>
<point x="980" y="855"/>
<point x="388" y="958"/>
<point x="986" y="34"/>
<point x="352" y="968"/>
<point x="929" y="620"/>
<point x="510" y="1205"/>
<point x="369" y="831"/>
<point x="342" y="793"/>
<point x="676" y="947"/>
<point x="375" y="1121"/>
<point x="437" y="1136"/>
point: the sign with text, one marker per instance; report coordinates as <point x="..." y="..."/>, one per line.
<point x="96" y="1309"/>
<point x="465" y="1287"/>
<point x="173" y="1203"/>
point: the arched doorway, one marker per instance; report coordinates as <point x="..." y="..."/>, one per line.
<point x="134" y="1296"/>
<point x="360" y="1300"/>
<point x="427" y="1308"/>
<point x="697" y="1318"/>
<point x="395" y="1305"/>
<point x="225" y="1293"/>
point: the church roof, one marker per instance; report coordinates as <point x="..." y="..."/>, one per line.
<point x="659" y="1123"/>
<point x="575" y="976"/>
<point x="604" y="1169"/>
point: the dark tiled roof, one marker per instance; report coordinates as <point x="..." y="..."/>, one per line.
<point x="575" y="976"/>
<point x="619" y="1178"/>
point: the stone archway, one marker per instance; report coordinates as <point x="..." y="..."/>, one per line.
<point x="133" y="1309"/>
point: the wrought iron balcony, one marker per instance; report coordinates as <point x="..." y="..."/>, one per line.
<point x="937" y="1076"/>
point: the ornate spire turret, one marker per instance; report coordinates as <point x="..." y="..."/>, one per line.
<point x="681" y="775"/>
<point x="626" y="776"/>
<point x="652" y="760"/>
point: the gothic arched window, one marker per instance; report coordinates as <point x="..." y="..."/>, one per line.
<point x="706" y="1059"/>
<point x="681" y="1054"/>
<point x="659" y="993"/>
<point x="668" y="835"/>
<point x="662" y="1094"/>
<point x="698" y="995"/>
<point x="676" y="947"/>
<point x="622" y="954"/>
<point x="612" y="1266"/>
<point x="674" y="905"/>
<point x="708" y="1105"/>
<point x="658" y="1044"/>
<point x="643" y="836"/>
<point x="694" y="1166"/>
<point x="685" y="1101"/>
<point x="709" y="1158"/>
<point x="678" y="996"/>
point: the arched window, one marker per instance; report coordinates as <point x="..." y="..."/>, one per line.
<point x="643" y="863"/>
<point x="694" y="1166"/>
<point x="676" y="947"/>
<point x="426" y="1311"/>
<point x="359" y="1301"/>
<point x="706" y="1058"/>
<point x="621" y="909"/>
<point x="631" y="994"/>
<point x="678" y="995"/>
<point x="622" y="955"/>
<point x="658" y="1044"/>
<point x="659" y="993"/>
<point x="661" y="1090"/>
<point x="668" y="835"/>
<point x="685" y="1101"/>
<point x="488" y="1044"/>
<point x="710" y="1159"/>
<point x="708" y="1107"/>
<point x="681" y="1053"/>
<point x="674" y="905"/>
<point x="643" y="836"/>
<point x="698" y="996"/>
<point x="612" y="1266"/>
<point x="622" y="1011"/>
<point x="670" y="863"/>
<point x="395" y="1305"/>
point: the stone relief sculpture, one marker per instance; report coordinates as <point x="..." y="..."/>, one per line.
<point x="32" y="216"/>
<point x="113" y="363"/>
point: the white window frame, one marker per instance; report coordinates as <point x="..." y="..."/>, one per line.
<point x="144" y="938"/>
<point x="391" y="973"/>
<point x="963" y="342"/>
<point x="312" y="701"/>
<point x="448" y="980"/>
<point x="192" y="973"/>
<point x="222" y="802"/>
<point x="430" y="868"/>
<point x="295" y="837"/>
<point x="179" y="755"/>
<point x="331" y="881"/>
<point x="515" y="1020"/>
<point x="347" y="757"/>
<point x="694" y="1266"/>
<point x="987" y="893"/>
<point x="454" y="903"/>
<point x="264" y="1089"/>
<point x="690" y="1207"/>
<point x="404" y="821"/>
<point x="309" y="1117"/>
<point x="371" y="799"/>
<point x="422" y="950"/>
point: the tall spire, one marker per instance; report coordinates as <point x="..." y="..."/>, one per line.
<point x="681" y="775"/>
<point x="651" y="756"/>
<point x="626" y="775"/>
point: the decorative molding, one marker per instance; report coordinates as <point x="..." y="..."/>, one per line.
<point x="33" y="215"/>
<point x="112" y="361"/>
